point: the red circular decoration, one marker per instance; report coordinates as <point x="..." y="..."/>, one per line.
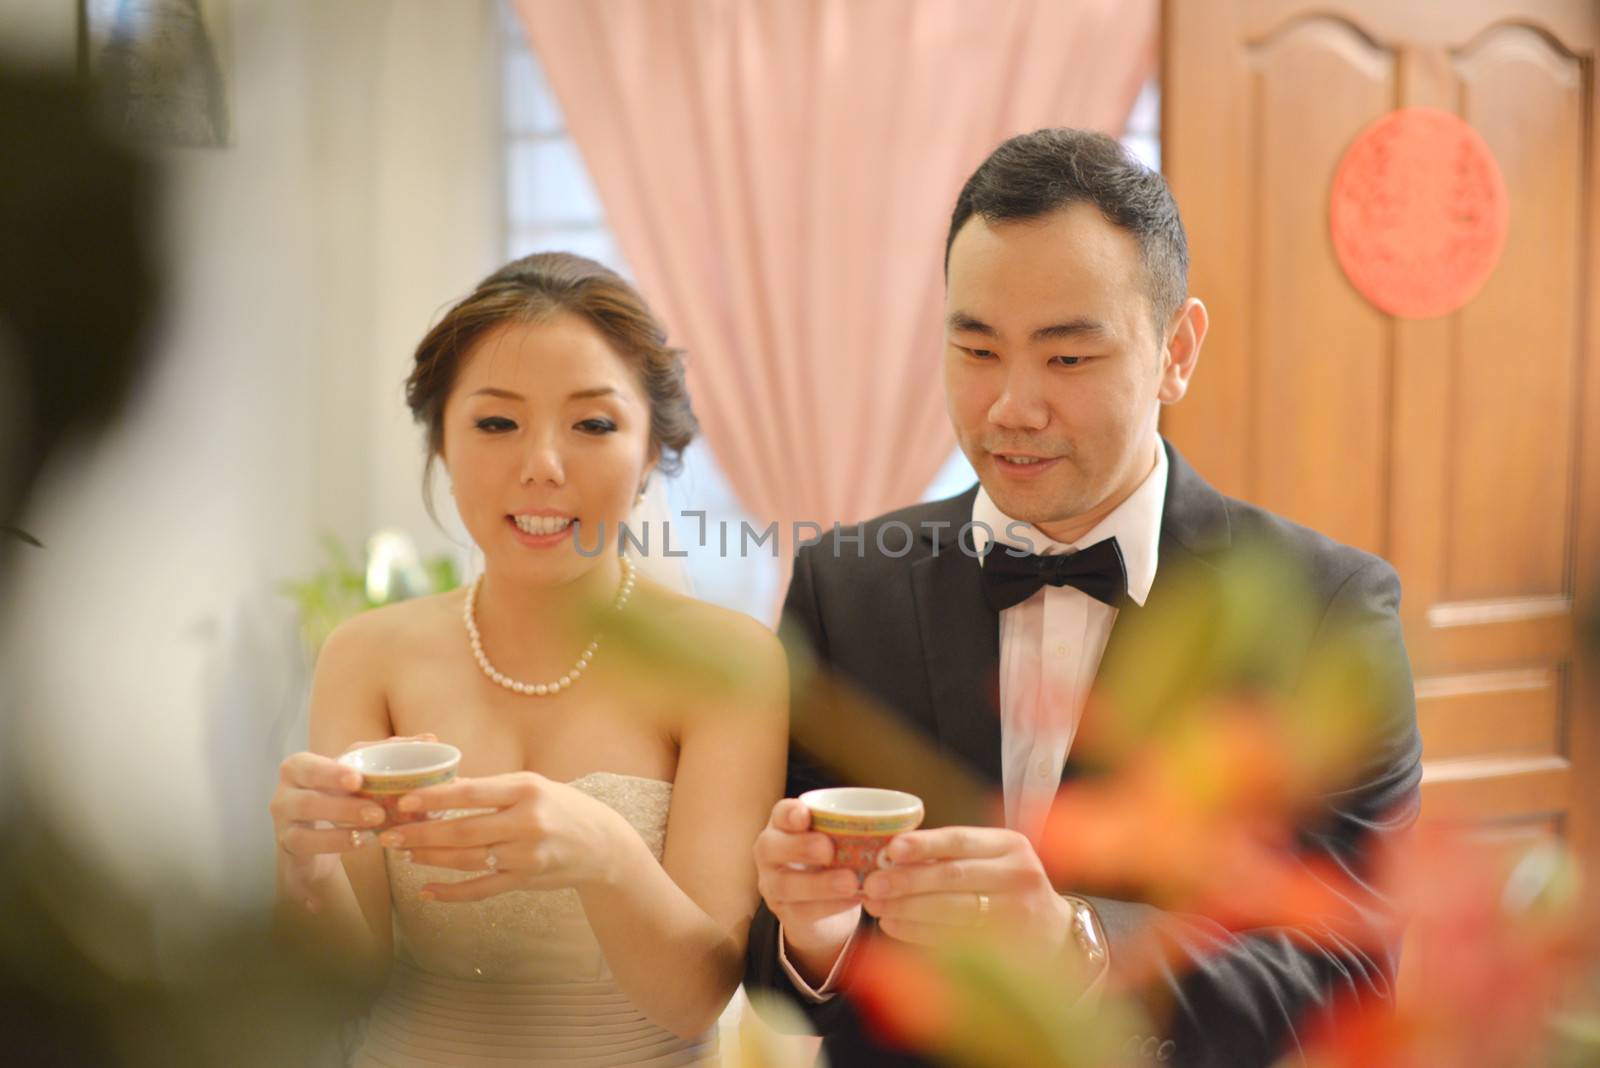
<point x="1418" y="213"/>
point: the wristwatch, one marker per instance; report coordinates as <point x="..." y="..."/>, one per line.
<point x="1088" y="935"/>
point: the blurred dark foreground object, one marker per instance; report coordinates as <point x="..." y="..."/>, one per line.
<point x="79" y="277"/>
<point x="86" y="977"/>
<point x="88" y="974"/>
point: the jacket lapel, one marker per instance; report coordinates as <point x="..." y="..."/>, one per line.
<point x="960" y="642"/>
<point x="1194" y="528"/>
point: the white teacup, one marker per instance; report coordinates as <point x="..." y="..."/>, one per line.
<point x="861" y="820"/>
<point x="390" y="770"/>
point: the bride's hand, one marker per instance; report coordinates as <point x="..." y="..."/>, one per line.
<point x="543" y="835"/>
<point x="316" y="817"/>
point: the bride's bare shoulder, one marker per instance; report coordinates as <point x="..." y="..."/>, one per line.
<point x="397" y="628"/>
<point x="703" y="617"/>
<point x="717" y="639"/>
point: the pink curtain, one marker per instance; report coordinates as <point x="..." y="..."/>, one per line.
<point x="779" y="175"/>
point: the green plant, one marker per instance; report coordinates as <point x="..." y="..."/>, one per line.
<point x="342" y="589"/>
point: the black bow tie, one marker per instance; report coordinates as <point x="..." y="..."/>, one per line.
<point x="1011" y="577"/>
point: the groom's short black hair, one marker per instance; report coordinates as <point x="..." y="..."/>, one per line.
<point x="1037" y="173"/>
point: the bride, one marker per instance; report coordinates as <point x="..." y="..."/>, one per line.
<point x="588" y="898"/>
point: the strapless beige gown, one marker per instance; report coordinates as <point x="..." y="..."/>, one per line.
<point x="519" y="978"/>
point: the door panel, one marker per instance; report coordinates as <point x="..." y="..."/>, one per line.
<point x="1304" y="405"/>
<point x="1516" y="353"/>
<point x="1456" y="447"/>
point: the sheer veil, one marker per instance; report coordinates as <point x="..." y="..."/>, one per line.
<point x="651" y="516"/>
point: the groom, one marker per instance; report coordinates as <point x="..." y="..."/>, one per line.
<point x="1069" y="324"/>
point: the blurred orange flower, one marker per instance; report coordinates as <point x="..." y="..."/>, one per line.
<point x="1500" y="942"/>
<point x="987" y="1002"/>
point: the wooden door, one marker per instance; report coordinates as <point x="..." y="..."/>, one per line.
<point x="1465" y="449"/>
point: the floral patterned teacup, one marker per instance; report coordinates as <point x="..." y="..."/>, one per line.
<point x="861" y="820"/>
<point x="390" y="770"/>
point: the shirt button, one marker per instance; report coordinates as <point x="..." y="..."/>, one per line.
<point x="1043" y="768"/>
<point x="1061" y="652"/>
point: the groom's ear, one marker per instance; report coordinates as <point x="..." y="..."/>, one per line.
<point x="1185" y="334"/>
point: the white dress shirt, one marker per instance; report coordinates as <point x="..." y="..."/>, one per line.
<point x="1050" y="649"/>
<point x="1051" y="644"/>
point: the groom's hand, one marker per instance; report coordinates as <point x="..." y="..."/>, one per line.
<point x="952" y="880"/>
<point x="818" y="906"/>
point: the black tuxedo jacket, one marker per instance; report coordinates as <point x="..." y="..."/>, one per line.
<point x="915" y="633"/>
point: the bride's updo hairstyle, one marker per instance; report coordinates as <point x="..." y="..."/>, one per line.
<point x="535" y="289"/>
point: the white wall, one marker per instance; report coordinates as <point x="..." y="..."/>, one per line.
<point x="152" y="652"/>
<point x="42" y="30"/>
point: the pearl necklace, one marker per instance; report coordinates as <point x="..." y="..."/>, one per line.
<point x="541" y="689"/>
